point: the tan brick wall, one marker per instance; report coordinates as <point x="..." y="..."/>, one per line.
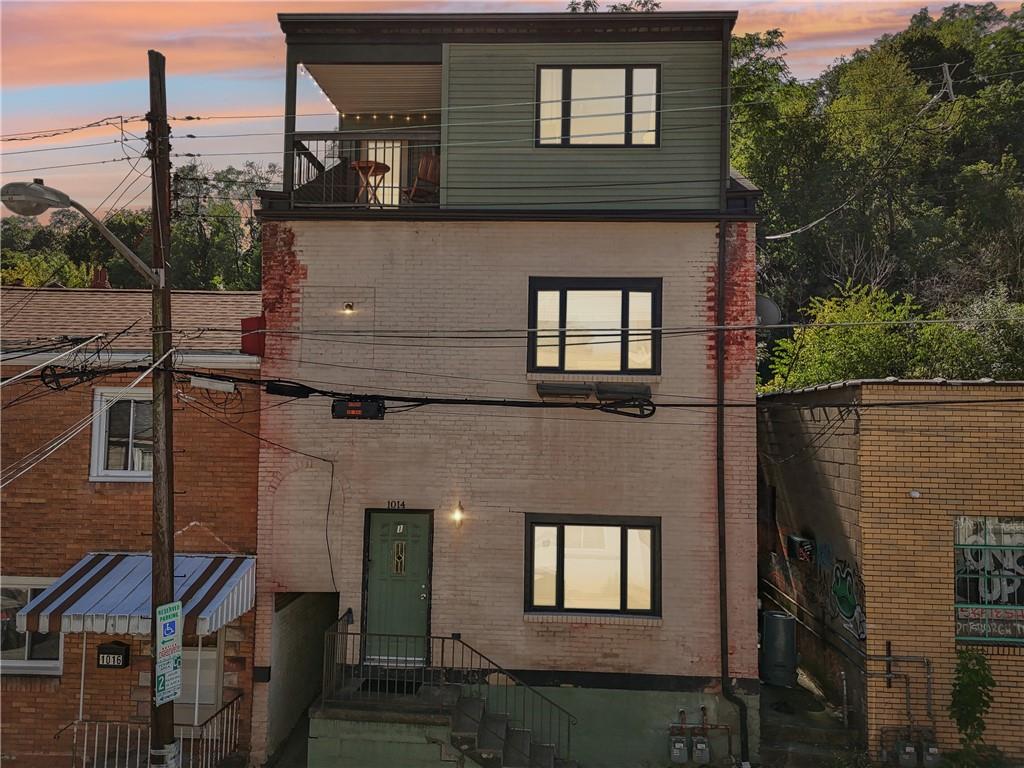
<point x="963" y="460"/>
<point x="502" y="464"/>
<point x="53" y="515"/>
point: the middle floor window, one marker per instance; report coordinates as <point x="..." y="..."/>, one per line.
<point x="595" y="325"/>
<point x="593" y="564"/>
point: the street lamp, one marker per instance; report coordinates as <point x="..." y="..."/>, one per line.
<point x="31" y="199"/>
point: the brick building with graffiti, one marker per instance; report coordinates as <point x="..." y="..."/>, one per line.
<point x="891" y="525"/>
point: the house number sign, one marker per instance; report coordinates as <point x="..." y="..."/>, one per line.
<point x="115" y="655"/>
<point x="396" y="504"/>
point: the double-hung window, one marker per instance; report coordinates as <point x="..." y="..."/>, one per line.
<point x="598" y="106"/>
<point x="989" y="574"/>
<point x="593" y="564"/>
<point x="122" y="435"/>
<point x="595" y="325"/>
<point x="25" y="653"/>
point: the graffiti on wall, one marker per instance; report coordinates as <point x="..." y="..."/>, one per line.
<point x="845" y="599"/>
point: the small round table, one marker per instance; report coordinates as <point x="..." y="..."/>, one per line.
<point x="371" y="176"/>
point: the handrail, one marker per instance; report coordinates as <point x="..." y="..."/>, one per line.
<point x="362" y="666"/>
<point x="220" y="711"/>
<point x="527" y="686"/>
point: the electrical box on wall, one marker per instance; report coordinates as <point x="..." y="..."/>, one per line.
<point x="701" y="750"/>
<point x="906" y="754"/>
<point x="680" y="749"/>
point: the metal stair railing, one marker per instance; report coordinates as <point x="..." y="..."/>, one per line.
<point x="369" y="667"/>
<point x="124" y="744"/>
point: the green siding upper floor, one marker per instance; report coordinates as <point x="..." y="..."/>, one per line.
<point x="490" y="159"/>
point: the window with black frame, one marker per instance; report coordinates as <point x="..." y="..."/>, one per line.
<point x="593" y="564"/>
<point x="989" y="576"/>
<point x="598" y="106"/>
<point x="595" y="325"/>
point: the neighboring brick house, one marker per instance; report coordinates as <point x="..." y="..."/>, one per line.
<point x="510" y="206"/>
<point x="93" y="495"/>
<point x="895" y="534"/>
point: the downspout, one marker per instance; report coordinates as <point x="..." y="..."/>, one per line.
<point x="720" y="320"/>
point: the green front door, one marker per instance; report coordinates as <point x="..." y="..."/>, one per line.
<point x="398" y="587"/>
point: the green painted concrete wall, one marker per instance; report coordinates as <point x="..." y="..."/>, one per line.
<point x="616" y="729"/>
<point x="629" y="729"/>
<point x="489" y="150"/>
<point x="361" y="744"/>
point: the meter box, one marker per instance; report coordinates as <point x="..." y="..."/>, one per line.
<point x="930" y="757"/>
<point x="680" y="749"/>
<point x="701" y="750"/>
<point x="906" y="754"/>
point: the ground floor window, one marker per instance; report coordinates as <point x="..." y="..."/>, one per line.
<point x="593" y="564"/>
<point x="25" y="653"/>
<point x="204" y="664"/>
<point x="989" y="562"/>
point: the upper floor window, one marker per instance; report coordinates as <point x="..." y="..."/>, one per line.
<point x="598" y="106"/>
<point x="31" y="653"/>
<point x="989" y="563"/>
<point x="593" y="564"/>
<point x="595" y="325"/>
<point x="122" y="435"/>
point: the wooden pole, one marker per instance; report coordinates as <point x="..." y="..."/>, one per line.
<point x="161" y="717"/>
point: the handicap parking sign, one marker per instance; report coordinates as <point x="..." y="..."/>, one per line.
<point x="170" y="628"/>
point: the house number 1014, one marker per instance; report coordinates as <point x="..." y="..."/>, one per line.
<point x="396" y="504"/>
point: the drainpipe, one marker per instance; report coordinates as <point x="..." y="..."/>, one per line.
<point x="720" y="319"/>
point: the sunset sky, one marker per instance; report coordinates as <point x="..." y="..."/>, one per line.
<point x="69" y="63"/>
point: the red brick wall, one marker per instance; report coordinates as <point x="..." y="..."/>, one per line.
<point x="53" y="515"/>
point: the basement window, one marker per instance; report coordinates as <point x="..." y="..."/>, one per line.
<point x="122" y="435"/>
<point x="598" y="106"/>
<point x="989" y="575"/>
<point x="25" y="653"/>
<point x="593" y="564"/>
<point x="594" y="325"/>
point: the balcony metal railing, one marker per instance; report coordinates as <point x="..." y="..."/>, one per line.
<point x="368" y="668"/>
<point x="375" y="170"/>
<point x="121" y="744"/>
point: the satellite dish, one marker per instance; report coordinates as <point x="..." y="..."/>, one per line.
<point x="768" y="312"/>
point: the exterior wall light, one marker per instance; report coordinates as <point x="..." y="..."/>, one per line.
<point x="914" y="494"/>
<point x="348" y="308"/>
<point x="458" y="515"/>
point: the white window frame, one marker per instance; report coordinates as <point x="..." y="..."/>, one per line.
<point x="98" y="473"/>
<point x="47" y="667"/>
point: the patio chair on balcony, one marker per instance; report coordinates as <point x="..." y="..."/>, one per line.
<point x="427" y="183"/>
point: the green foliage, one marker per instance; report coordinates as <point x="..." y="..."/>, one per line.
<point x="868" y="332"/>
<point x="864" y="347"/>
<point x="215" y="241"/>
<point x="631" y="6"/>
<point x="41" y="268"/>
<point x="926" y="203"/>
<point x="970" y="700"/>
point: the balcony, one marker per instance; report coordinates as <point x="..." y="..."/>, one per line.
<point x="377" y="169"/>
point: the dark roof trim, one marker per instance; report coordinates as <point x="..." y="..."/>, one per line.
<point x="503" y="27"/>
<point x="856" y="383"/>
<point x="349" y="214"/>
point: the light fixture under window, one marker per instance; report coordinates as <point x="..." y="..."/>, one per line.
<point x="458" y="515"/>
<point x="348" y="308"/>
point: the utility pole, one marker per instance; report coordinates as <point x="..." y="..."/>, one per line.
<point x="162" y="745"/>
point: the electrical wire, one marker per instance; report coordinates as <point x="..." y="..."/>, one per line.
<point x="27" y="462"/>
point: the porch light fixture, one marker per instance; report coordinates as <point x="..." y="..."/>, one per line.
<point x="348" y="308"/>
<point x="458" y="514"/>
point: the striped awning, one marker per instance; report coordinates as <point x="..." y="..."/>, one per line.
<point x="110" y="593"/>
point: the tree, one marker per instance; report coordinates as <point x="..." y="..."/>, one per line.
<point x="215" y="241"/>
<point x="970" y="700"/>
<point x="860" y="333"/>
<point x="631" y="6"/>
<point x="867" y="332"/>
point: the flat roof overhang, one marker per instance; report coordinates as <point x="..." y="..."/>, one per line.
<point x="437" y="28"/>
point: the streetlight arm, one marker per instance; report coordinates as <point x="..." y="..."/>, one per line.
<point x="140" y="266"/>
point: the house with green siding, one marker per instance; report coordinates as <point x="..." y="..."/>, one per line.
<point x="530" y="217"/>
